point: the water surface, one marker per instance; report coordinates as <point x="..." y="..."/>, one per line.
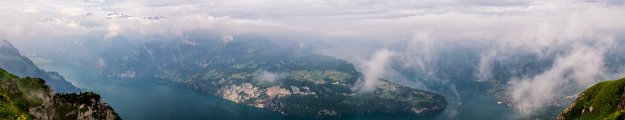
<point x="152" y="99"/>
<point x="155" y="99"/>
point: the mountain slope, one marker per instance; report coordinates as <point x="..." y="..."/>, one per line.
<point x="12" y="61"/>
<point x="280" y="77"/>
<point x="605" y="100"/>
<point x="30" y="98"/>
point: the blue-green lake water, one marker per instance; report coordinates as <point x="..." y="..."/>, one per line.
<point x="155" y="99"/>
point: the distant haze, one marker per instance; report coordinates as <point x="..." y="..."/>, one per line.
<point x="580" y="41"/>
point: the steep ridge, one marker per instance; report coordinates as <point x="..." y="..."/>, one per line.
<point x="30" y="98"/>
<point x="12" y="61"/>
<point x="605" y="100"/>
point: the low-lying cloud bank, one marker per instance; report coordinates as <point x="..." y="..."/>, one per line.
<point x="407" y="41"/>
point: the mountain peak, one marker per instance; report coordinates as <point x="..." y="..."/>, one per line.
<point x="6" y="46"/>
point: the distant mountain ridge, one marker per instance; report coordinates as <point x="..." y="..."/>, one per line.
<point x="12" y="61"/>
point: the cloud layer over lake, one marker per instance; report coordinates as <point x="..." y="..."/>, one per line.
<point x="379" y="36"/>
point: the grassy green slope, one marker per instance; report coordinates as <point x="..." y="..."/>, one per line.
<point x="17" y="95"/>
<point x="14" y="101"/>
<point x="597" y="102"/>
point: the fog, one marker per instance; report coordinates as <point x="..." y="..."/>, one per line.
<point x="419" y="43"/>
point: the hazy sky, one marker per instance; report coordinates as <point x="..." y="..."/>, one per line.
<point x="374" y="19"/>
<point x="585" y="29"/>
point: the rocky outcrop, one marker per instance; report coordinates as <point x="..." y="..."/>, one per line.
<point x="31" y="98"/>
<point x="83" y="106"/>
<point x="73" y="106"/>
<point x="302" y="101"/>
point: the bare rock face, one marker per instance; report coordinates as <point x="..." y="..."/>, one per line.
<point x="324" y="102"/>
<point x="83" y="106"/>
<point x="43" y="111"/>
<point x="31" y="98"/>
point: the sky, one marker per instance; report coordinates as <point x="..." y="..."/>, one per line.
<point x="575" y="34"/>
<point x="372" y="19"/>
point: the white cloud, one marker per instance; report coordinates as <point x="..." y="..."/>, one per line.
<point x="269" y="78"/>
<point x="423" y="27"/>
<point x="582" y="67"/>
<point x="374" y="69"/>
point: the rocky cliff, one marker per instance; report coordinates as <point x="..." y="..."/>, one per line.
<point x="30" y="98"/>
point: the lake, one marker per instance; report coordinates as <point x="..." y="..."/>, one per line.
<point x="150" y="99"/>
